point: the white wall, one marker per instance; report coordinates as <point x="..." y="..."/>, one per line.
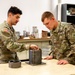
<point x="32" y="11"/>
<point x="68" y="1"/>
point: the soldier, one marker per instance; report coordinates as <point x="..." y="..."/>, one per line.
<point x="8" y="39"/>
<point x="62" y="38"/>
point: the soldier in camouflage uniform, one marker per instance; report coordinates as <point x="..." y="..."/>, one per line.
<point x="8" y="44"/>
<point x="62" y="38"/>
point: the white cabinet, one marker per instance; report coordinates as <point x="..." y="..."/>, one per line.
<point x="43" y="43"/>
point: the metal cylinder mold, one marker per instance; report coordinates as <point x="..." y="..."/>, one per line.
<point x="35" y="57"/>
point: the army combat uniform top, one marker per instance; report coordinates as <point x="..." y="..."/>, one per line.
<point x="8" y="44"/>
<point x="63" y="42"/>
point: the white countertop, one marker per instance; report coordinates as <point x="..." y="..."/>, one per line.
<point x="50" y="68"/>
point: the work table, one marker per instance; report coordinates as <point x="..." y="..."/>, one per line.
<point x="49" y="68"/>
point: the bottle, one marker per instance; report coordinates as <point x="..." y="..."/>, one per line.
<point x="24" y="33"/>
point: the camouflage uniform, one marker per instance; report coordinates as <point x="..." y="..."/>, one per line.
<point x="63" y="42"/>
<point x="8" y="44"/>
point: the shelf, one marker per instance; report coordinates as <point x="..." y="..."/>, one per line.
<point x="34" y="40"/>
<point x="71" y="15"/>
<point x="66" y="9"/>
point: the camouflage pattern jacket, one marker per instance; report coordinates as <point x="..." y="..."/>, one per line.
<point x="8" y="44"/>
<point x="63" y="42"/>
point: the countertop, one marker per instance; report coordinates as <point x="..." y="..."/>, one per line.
<point x="49" y="67"/>
<point x="34" y="40"/>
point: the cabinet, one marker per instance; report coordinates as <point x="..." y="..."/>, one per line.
<point x="68" y="13"/>
<point x="43" y="43"/>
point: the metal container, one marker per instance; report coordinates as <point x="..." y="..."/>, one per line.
<point x="15" y="64"/>
<point x="35" y="57"/>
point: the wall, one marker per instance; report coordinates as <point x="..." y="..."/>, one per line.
<point x="32" y="11"/>
<point x="68" y="1"/>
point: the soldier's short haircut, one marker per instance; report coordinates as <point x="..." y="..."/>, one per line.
<point x="14" y="10"/>
<point x="46" y="14"/>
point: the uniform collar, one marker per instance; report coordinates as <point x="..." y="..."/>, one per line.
<point x="58" y="27"/>
<point x="8" y="25"/>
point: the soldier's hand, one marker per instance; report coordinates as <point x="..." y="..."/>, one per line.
<point x="48" y="57"/>
<point x="34" y="47"/>
<point x="62" y="62"/>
